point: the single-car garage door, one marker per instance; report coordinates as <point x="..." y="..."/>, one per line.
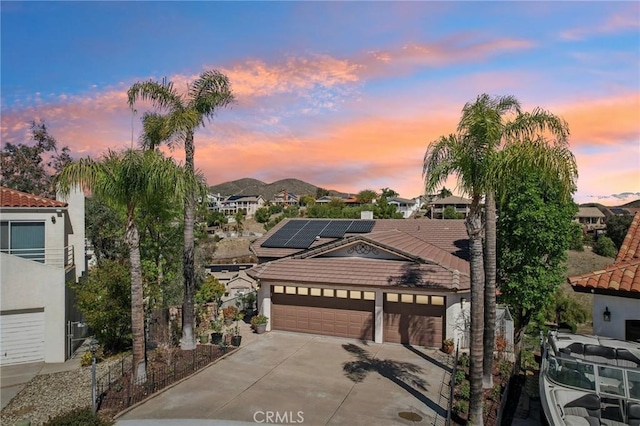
<point x="21" y="338"/>
<point x="414" y="319"/>
<point x="342" y="313"/>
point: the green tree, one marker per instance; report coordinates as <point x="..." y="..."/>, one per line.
<point x="471" y="155"/>
<point x="239" y="218"/>
<point x="104" y="298"/>
<point x="444" y="192"/>
<point x="129" y="180"/>
<point x="307" y="200"/>
<point x="534" y="233"/>
<point x="366" y="196"/>
<point x="576" y="237"/>
<point x="262" y="215"/>
<point x="450" y="213"/>
<point x="617" y="227"/>
<point x="105" y="229"/>
<point x="321" y="192"/>
<point x="388" y="193"/>
<point x="604" y="246"/>
<point x="183" y="114"/>
<point x="383" y="210"/>
<point x="31" y="167"/>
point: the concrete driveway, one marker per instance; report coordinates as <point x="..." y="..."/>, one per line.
<point x="289" y="378"/>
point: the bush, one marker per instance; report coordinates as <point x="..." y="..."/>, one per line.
<point x="576" y="237"/>
<point x="78" y="417"/>
<point x="460" y="376"/>
<point x="461" y="407"/>
<point x="465" y="390"/>
<point x="604" y="246"/>
<point x="87" y="357"/>
<point x="464" y="360"/>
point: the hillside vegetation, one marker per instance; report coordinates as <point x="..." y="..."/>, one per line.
<point x="248" y="186"/>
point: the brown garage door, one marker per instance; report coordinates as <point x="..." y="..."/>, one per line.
<point x="414" y="319"/>
<point x="330" y="316"/>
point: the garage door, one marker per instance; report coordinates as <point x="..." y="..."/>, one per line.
<point x="21" y="338"/>
<point x="414" y="319"/>
<point x="341" y="313"/>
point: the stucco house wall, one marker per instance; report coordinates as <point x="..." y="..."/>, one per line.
<point x="621" y="309"/>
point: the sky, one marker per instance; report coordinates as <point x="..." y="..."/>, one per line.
<point x="344" y="95"/>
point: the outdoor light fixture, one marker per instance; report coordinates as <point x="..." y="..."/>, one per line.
<point x="53" y="219"/>
<point x="463" y="301"/>
<point x="606" y="315"/>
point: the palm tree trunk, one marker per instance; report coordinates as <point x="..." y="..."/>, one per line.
<point x="489" y="289"/>
<point x="137" y="308"/>
<point x="474" y="229"/>
<point x="188" y="341"/>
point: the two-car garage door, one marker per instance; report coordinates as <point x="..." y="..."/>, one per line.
<point x="341" y="313"/>
<point x="408" y="318"/>
<point x="21" y="338"/>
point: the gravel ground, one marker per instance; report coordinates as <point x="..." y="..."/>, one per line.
<point x="49" y="395"/>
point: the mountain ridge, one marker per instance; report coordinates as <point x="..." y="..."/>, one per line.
<point x="250" y="186"/>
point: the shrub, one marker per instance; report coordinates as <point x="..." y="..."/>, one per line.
<point x="461" y="407"/>
<point x="504" y="367"/>
<point x="465" y="390"/>
<point x="259" y="320"/>
<point x="604" y="246"/>
<point x="230" y="312"/>
<point x="87" y="357"/>
<point x="464" y="360"/>
<point x="460" y="376"/>
<point x="78" y="417"/>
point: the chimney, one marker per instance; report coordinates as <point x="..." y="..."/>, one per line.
<point x="366" y="214"/>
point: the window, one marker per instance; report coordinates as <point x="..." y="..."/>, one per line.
<point x="422" y="300"/>
<point x="369" y="295"/>
<point x="355" y="294"/>
<point x="392" y="297"/>
<point x="406" y="298"/>
<point x="24" y="239"/>
<point x="278" y="289"/>
<point x="303" y="291"/>
<point x="342" y="294"/>
<point x="316" y="292"/>
<point x="328" y="292"/>
<point x="437" y="300"/>
<point x="290" y="290"/>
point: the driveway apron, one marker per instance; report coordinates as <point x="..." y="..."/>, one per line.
<point x="314" y="380"/>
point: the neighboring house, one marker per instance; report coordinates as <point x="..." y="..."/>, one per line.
<point x="616" y="290"/>
<point x="234" y="277"/>
<point x="591" y="219"/>
<point x="405" y="206"/>
<point x="347" y="200"/>
<point x="459" y="204"/>
<point x="390" y="280"/>
<point x="248" y="204"/>
<point x="42" y="247"/>
<point x="214" y="202"/>
<point x="285" y="198"/>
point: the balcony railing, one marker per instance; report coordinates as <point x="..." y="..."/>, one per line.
<point x="56" y="257"/>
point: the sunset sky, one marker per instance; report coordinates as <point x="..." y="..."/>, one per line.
<point x="344" y="95"/>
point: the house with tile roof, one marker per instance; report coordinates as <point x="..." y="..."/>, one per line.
<point x="591" y="219"/>
<point x="459" y="204"/>
<point x="407" y="207"/>
<point x="385" y="280"/>
<point x="285" y="198"/>
<point x="248" y="204"/>
<point x="42" y="246"/>
<point x="616" y="290"/>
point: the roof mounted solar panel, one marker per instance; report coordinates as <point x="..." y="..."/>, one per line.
<point x="307" y="235"/>
<point x="361" y="226"/>
<point x="284" y="234"/>
<point x="336" y="229"/>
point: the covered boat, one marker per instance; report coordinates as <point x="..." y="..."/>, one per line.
<point x="590" y="380"/>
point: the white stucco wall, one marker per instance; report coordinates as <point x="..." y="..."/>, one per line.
<point x="457" y="317"/>
<point x="76" y="236"/>
<point x="621" y="309"/>
<point x="27" y="285"/>
<point x="54" y="233"/>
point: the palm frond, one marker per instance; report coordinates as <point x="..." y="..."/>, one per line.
<point x="212" y="90"/>
<point x="528" y="125"/>
<point x="161" y="94"/>
<point x="438" y="162"/>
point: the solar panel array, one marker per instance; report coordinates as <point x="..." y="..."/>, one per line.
<point x="301" y="234"/>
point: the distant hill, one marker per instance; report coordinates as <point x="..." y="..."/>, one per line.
<point x="248" y="186"/>
<point x="633" y="204"/>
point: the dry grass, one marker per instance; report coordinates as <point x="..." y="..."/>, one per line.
<point x="578" y="263"/>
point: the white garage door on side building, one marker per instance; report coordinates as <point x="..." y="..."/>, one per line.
<point x="21" y="337"/>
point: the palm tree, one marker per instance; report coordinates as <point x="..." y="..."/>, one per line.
<point x="472" y="155"/>
<point x="463" y="157"/>
<point x="183" y="114"/>
<point x="130" y="179"/>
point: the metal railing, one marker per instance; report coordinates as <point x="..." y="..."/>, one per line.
<point x="56" y="257"/>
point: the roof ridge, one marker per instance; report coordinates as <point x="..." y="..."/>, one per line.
<point x="10" y="197"/>
<point x="632" y="232"/>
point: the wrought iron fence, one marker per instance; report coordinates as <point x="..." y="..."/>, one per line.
<point x="117" y="389"/>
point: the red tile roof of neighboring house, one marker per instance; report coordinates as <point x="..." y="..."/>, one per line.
<point x="623" y="277"/>
<point x="630" y="249"/>
<point x="12" y="198"/>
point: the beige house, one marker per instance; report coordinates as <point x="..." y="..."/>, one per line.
<point x="286" y="198"/>
<point x="591" y="219"/>
<point x="459" y="204"/>
<point x="391" y="280"/>
<point x="248" y="204"/>
<point x="42" y="247"/>
<point x="234" y="277"/>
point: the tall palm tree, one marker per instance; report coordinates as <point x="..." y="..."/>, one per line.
<point x="472" y="155"/>
<point x="464" y="157"/>
<point x="130" y="179"/>
<point x="183" y="113"/>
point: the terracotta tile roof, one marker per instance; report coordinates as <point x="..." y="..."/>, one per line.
<point x="360" y="271"/>
<point x="630" y="248"/>
<point x="623" y="277"/>
<point x="12" y="198"/>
